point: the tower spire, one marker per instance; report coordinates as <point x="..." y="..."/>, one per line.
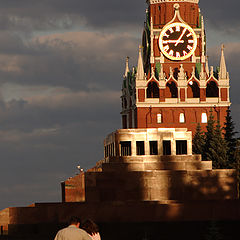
<point x="223" y="68"/>
<point x="140" y="70"/>
<point x="207" y="67"/>
<point x="127" y="67"/>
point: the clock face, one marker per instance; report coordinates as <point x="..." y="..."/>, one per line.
<point x="177" y="41"/>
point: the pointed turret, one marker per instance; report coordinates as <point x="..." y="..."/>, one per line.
<point x="127" y="67"/>
<point x="140" y="69"/>
<point x="223" y="69"/>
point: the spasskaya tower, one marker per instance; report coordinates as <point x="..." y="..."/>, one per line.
<point x="172" y="85"/>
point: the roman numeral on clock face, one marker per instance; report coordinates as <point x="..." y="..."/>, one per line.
<point x="189" y="47"/>
<point x="177" y="28"/>
<point x="166" y="48"/>
<point x="171" y="53"/>
<point x="166" y="35"/>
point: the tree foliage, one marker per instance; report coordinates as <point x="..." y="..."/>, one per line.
<point x="231" y="140"/>
<point x="198" y="140"/>
<point x="218" y="149"/>
<point x="211" y="144"/>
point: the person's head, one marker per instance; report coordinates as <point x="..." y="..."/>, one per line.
<point x="90" y="227"/>
<point x="74" y="221"/>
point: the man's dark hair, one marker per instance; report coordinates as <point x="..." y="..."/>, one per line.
<point x="74" y="220"/>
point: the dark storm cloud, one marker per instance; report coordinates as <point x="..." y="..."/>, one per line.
<point x="42" y="140"/>
<point x="51" y="14"/>
<point x="40" y="112"/>
<point x="75" y="60"/>
<point x="34" y="15"/>
<point x="222" y="15"/>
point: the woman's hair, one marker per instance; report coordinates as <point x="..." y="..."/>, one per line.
<point x="90" y="227"/>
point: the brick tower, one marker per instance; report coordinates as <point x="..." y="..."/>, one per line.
<point x="172" y="86"/>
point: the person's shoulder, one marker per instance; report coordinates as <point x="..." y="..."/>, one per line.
<point x="82" y="231"/>
<point x="60" y="233"/>
<point x="84" y="234"/>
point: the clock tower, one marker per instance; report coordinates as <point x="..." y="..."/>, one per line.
<point x="172" y="85"/>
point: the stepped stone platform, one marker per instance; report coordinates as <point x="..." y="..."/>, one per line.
<point x="147" y="176"/>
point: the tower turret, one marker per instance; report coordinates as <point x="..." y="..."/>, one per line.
<point x="140" y="70"/>
<point x="222" y="69"/>
<point x="126" y="67"/>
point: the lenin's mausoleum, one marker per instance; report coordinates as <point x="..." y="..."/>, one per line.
<point x="149" y="185"/>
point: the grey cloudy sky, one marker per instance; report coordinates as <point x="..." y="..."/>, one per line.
<point x="61" y="66"/>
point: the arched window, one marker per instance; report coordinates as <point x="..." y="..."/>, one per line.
<point x="182" y="118"/>
<point x="152" y="90"/>
<point x="171" y="90"/>
<point x="204" y="118"/>
<point x="159" y="118"/>
<point x="212" y="89"/>
<point x="193" y="90"/>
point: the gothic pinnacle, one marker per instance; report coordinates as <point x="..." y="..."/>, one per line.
<point x="223" y="69"/>
<point x="127" y="67"/>
<point x="140" y="70"/>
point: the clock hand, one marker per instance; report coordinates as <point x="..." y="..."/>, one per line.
<point x="178" y="41"/>
<point x="172" y="41"/>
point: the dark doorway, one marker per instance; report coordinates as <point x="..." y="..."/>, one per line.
<point x="152" y="90"/>
<point x="140" y="148"/>
<point x="153" y="148"/>
<point x="171" y="90"/>
<point x="193" y="90"/>
<point x="166" y="147"/>
<point x="212" y="89"/>
<point x="181" y="147"/>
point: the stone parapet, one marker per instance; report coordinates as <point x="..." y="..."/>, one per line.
<point x="154" y="166"/>
<point x="158" y="185"/>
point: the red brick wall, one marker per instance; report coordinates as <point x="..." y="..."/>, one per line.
<point x="224" y="94"/>
<point x="73" y="189"/>
<point x="182" y="95"/>
<point x="170" y="116"/>
<point x="141" y="95"/>
<point x="162" y="13"/>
